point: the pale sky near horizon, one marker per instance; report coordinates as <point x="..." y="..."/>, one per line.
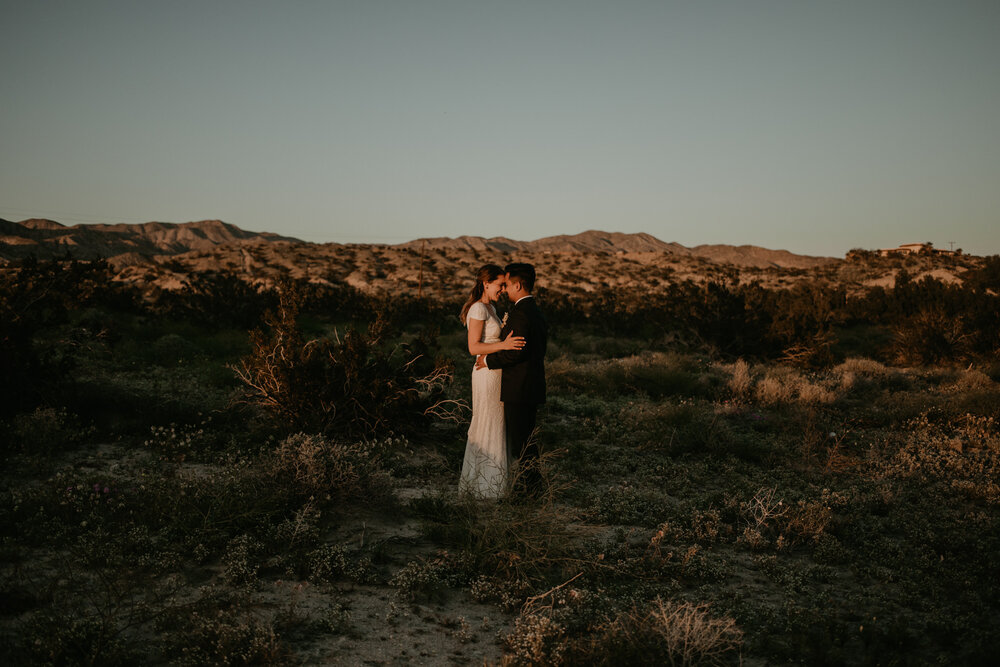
<point x="810" y="126"/>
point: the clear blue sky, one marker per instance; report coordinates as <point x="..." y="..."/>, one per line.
<point x="799" y="124"/>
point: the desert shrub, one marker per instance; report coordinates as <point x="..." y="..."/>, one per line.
<point x="226" y="636"/>
<point x="762" y="517"/>
<point x="519" y="542"/>
<point x="355" y="385"/>
<point x="930" y="336"/>
<point x="685" y="426"/>
<point x="962" y="454"/>
<point x="627" y="505"/>
<point x="46" y="430"/>
<point x="986" y="277"/>
<point x="785" y="385"/>
<point x="218" y="298"/>
<point x="241" y="561"/>
<point x="800" y="321"/>
<point x="777" y="386"/>
<point x="860" y="336"/>
<point x="55" y="637"/>
<point x="331" y="562"/>
<point x="345" y="302"/>
<point x="422" y="580"/>
<point x="537" y="639"/>
<point x="653" y="374"/>
<point x="741" y="381"/>
<point x="176" y="443"/>
<point x="35" y="297"/>
<point x="173" y="348"/>
<point x="973" y="380"/>
<point x="722" y="316"/>
<point x="700" y="526"/>
<point x="861" y="256"/>
<point x="805" y="523"/>
<point x="813" y="393"/>
<point x="316" y="465"/>
<point x="136" y="398"/>
<point x="664" y="633"/>
<point x="860" y="366"/>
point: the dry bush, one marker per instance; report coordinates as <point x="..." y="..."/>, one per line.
<point x="972" y="380"/>
<point x="318" y="465"/>
<point x="655" y="374"/>
<point x="226" y="637"/>
<point x="667" y="633"/>
<point x="963" y="453"/>
<point x="536" y="640"/>
<point x="517" y="543"/>
<point x="805" y="523"/>
<point x="785" y="385"/>
<point x="815" y="393"/>
<point x="741" y="381"/>
<point x="762" y="515"/>
<point x="777" y="386"/>
<point x="526" y="542"/>
<point x="355" y="385"/>
<point x="690" y="635"/>
<point x="854" y="368"/>
<point x="663" y="425"/>
<point x="861" y="366"/>
<point x="929" y="337"/>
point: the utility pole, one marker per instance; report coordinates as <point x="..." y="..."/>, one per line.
<point x="951" y="246"/>
<point x="420" y="284"/>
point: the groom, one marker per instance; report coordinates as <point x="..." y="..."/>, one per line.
<point x="522" y="385"/>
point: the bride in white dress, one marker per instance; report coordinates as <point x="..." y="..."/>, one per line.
<point x="484" y="470"/>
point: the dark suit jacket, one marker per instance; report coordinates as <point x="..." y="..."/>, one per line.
<point x="523" y="379"/>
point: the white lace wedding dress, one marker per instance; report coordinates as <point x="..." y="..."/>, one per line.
<point x="484" y="470"/>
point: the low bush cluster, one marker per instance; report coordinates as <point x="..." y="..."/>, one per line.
<point x="357" y="385"/>
<point x="575" y="627"/>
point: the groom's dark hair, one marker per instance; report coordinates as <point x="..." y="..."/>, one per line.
<point x="523" y="273"/>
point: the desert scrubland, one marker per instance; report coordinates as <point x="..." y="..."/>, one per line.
<point x="249" y="453"/>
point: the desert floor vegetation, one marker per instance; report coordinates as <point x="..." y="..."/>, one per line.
<point x="703" y="506"/>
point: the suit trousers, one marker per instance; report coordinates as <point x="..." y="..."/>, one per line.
<point x="519" y="419"/>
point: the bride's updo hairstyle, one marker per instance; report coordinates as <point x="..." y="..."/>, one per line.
<point x="486" y="274"/>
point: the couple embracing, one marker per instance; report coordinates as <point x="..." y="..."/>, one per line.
<point x="508" y="383"/>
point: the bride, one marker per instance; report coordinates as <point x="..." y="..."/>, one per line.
<point x="484" y="470"/>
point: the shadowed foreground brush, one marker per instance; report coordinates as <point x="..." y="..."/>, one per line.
<point x="355" y="385"/>
<point x="567" y="632"/>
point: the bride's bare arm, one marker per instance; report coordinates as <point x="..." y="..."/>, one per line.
<point x="476" y="348"/>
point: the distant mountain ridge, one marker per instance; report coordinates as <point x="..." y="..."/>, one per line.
<point x="131" y="242"/>
<point x="617" y="242"/>
<point x="48" y="238"/>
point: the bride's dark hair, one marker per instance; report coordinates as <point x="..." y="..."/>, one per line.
<point x="486" y="274"/>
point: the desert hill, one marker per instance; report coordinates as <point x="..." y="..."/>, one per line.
<point x="750" y="255"/>
<point x="594" y="241"/>
<point x="48" y="238"/>
<point x="159" y="256"/>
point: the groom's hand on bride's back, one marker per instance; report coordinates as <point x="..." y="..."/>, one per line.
<point x="512" y="342"/>
<point x="518" y="327"/>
